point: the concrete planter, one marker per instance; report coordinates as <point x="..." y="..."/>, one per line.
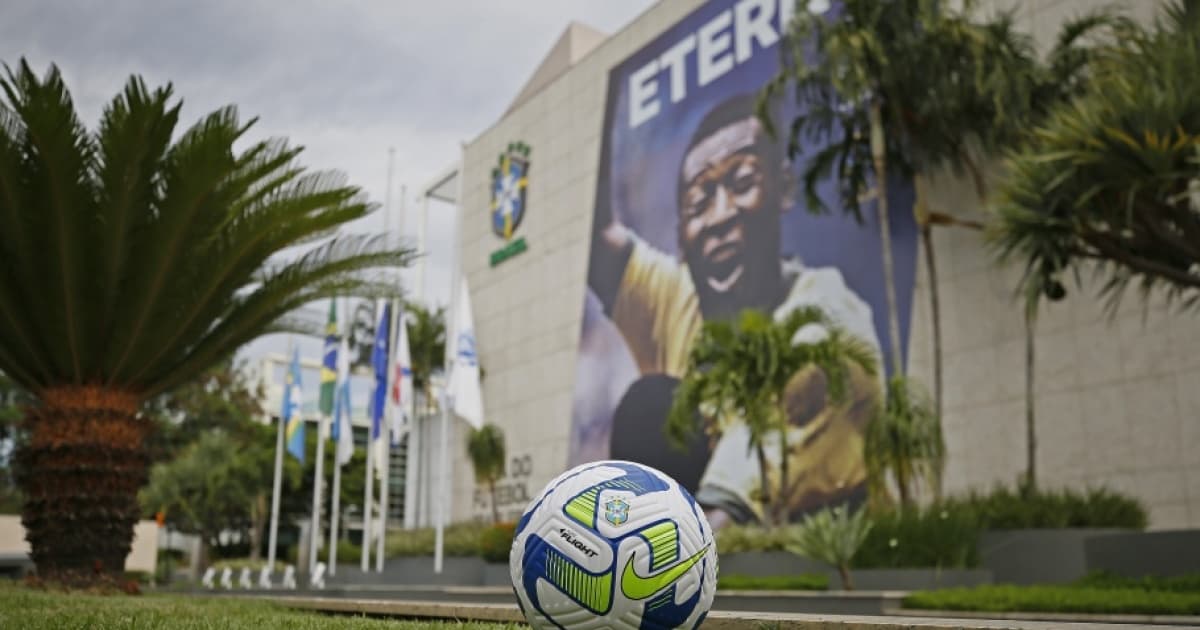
<point x="809" y="602"/>
<point x="496" y="574"/>
<point x="775" y="563"/>
<point x="416" y="570"/>
<point x="1038" y="556"/>
<point x="1138" y="554"/>
<point x="912" y="579"/>
<point x="767" y="564"/>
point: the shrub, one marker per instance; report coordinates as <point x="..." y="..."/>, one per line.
<point x="347" y="553"/>
<point x="801" y="582"/>
<point x="1071" y="599"/>
<point x="461" y="539"/>
<point x="142" y="578"/>
<point x="743" y="538"/>
<point x="832" y="536"/>
<point x="941" y="536"/>
<point x="1099" y="507"/>
<point x="496" y="542"/>
<point x="237" y="564"/>
<point x="1179" y="584"/>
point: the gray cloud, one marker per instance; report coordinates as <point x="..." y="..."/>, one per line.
<point x="347" y="80"/>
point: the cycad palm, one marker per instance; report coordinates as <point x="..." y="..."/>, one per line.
<point x="738" y="371"/>
<point x="131" y="261"/>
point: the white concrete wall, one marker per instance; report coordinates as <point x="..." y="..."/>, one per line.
<point x="1117" y="395"/>
<point x="1118" y="400"/>
<point x="528" y="309"/>
<point x="142" y="557"/>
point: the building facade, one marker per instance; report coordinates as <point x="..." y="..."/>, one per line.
<point x="579" y="347"/>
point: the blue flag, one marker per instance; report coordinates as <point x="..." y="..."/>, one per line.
<point x="290" y="414"/>
<point x="379" y="359"/>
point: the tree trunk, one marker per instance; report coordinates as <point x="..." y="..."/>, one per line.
<point x="935" y="318"/>
<point x="80" y="470"/>
<point x="847" y="583"/>
<point x="782" y="513"/>
<point x="203" y="553"/>
<point x="902" y="481"/>
<point x="763" y="487"/>
<point x="1030" y="425"/>
<point x="258" y="520"/>
<point x="495" y="508"/>
<point x="878" y="154"/>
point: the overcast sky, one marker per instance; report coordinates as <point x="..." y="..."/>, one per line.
<point x="347" y="80"/>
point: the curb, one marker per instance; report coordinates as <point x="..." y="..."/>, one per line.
<point x="716" y="620"/>
<point x="1160" y="620"/>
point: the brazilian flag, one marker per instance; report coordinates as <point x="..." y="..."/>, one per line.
<point x="329" y="362"/>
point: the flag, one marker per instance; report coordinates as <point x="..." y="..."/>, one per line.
<point x="343" y="434"/>
<point x="464" y="373"/>
<point x="329" y="362"/>
<point x="290" y="414"/>
<point x="379" y="359"/>
<point x="402" y="383"/>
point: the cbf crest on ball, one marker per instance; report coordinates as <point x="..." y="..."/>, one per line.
<point x="614" y="545"/>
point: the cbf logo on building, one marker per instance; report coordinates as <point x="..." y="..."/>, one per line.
<point x="510" y="180"/>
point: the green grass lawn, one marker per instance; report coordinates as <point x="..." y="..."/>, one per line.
<point x="1065" y="599"/>
<point x="27" y="609"/>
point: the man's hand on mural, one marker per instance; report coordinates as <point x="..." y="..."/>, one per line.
<point x="825" y="446"/>
<point x="826" y="464"/>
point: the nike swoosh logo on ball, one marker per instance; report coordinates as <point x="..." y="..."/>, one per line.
<point x="635" y="586"/>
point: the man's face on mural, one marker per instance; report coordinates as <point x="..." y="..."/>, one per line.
<point x="727" y="208"/>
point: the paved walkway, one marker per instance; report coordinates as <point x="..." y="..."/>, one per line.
<point x="719" y="619"/>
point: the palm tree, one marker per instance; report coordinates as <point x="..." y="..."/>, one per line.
<point x="485" y="447"/>
<point x="427" y="344"/>
<point x="132" y="260"/>
<point x="738" y="371"/>
<point x="912" y="87"/>
<point x="1111" y="180"/>
<point x="904" y="439"/>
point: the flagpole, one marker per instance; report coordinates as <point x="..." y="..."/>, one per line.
<point x="277" y="481"/>
<point x="412" y="501"/>
<point x="334" y="511"/>
<point x="443" y="510"/>
<point x="389" y="411"/>
<point x="367" y="483"/>
<point x="318" y="479"/>
<point x="335" y="516"/>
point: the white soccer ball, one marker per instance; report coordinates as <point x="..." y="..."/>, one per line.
<point x="614" y="545"/>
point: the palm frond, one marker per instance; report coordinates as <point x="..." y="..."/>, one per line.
<point x="159" y="252"/>
<point x="57" y="172"/>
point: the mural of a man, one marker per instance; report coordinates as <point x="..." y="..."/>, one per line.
<point x="733" y="185"/>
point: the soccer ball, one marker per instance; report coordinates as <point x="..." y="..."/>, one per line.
<point x="614" y="545"/>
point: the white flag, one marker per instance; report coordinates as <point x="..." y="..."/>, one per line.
<point x="464" y="374"/>
<point x="343" y="434"/>
<point x="402" y="383"/>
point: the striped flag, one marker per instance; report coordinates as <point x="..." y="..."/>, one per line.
<point x="329" y="362"/>
<point x="402" y="383"/>
<point x="290" y="414"/>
